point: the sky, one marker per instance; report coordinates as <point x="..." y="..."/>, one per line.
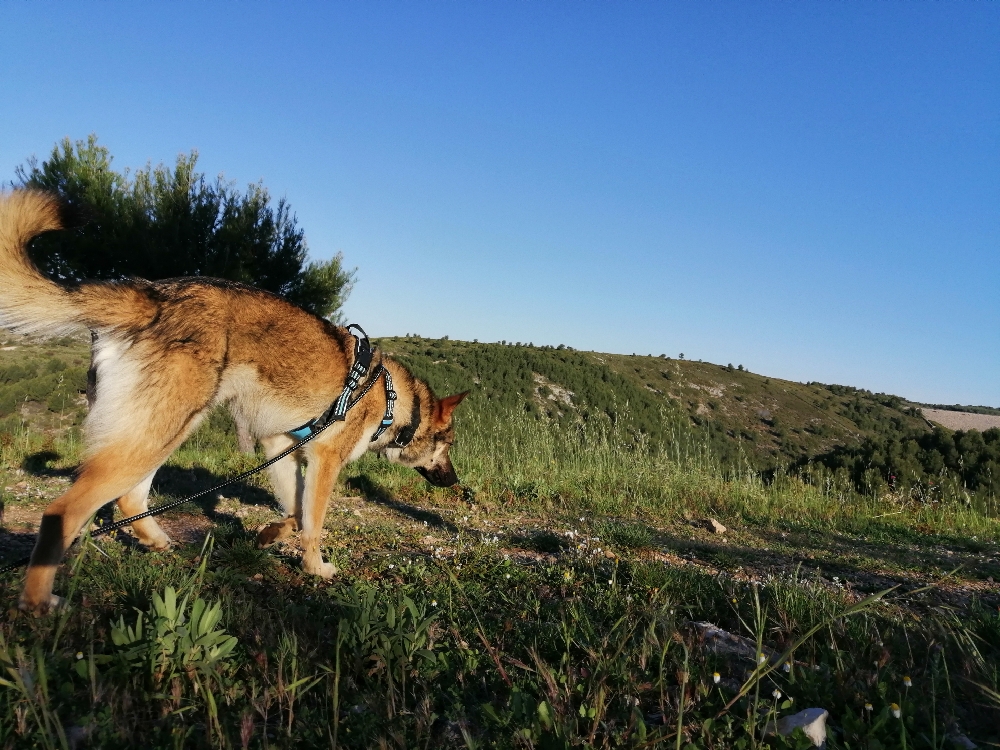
<point x="810" y="189"/>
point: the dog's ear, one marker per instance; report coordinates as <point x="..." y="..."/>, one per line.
<point x="446" y="406"/>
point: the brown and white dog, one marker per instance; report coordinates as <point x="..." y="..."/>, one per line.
<point x="166" y="353"/>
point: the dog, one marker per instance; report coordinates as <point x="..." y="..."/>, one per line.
<point x="165" y="353"/>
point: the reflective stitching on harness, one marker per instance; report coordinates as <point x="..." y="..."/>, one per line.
<point x="338" y="410"/>
<point x="390" y="402"/>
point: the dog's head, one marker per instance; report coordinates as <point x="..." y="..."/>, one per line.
<point x="427" y="451"/>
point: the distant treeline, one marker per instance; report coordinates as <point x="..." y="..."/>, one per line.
<point x="930" y="466"/>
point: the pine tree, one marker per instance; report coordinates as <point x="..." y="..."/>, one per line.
<point x="161" y="222"/>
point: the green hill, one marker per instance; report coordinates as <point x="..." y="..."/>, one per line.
<point x="874" y="441"/>
<point x="768" y="421"/>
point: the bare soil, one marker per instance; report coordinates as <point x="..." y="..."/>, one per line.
<point x="962" y="420"/>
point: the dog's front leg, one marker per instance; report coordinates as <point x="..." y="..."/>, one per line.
<point x="324" y="464"/>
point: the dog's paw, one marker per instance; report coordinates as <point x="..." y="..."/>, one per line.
<point x="324" y="570"/>
<point x="159" y="545"/>
<point x="269" y="534"/>
<point x="48" y="605"/>
<point x="274" y="532"/>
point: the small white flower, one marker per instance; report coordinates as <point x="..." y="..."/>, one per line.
<point x="868" y="707"/>
<point x="761" y="659"/>
<point x="716" y="677"/>
<point x="610" y="582"/>
<point x="391" y="567"/>
<point x="776" y="694"/>
<point x="787" y="666"/>
<point x="895" y="710"/>
<point x="907" y="681"/>
<point x="507" y="576"/>
<point x="79" y="655"/>
<point x="434" y="602"/>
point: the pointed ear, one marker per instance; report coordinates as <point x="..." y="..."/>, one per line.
<point x="446" y="406"/>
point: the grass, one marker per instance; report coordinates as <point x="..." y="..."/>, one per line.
<point x="549" y="601"/>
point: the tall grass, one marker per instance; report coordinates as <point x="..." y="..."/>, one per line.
<point x="601" y="467"/>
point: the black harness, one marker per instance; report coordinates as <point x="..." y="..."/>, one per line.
<point x="363" y="355"/>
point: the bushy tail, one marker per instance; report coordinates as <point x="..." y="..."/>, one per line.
<point x="32" y="303"/>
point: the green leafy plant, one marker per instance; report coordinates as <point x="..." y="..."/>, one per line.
<point x="173" y="639"/>
<point x="176" y="643"/>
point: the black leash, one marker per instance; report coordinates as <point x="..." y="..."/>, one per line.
<point x="336" y="413"/>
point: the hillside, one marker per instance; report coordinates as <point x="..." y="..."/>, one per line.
<point x="841" y="436"/>
<point x="735" y="419"/>
<point x="595" y="530"/>
<point x="768" y="421"/>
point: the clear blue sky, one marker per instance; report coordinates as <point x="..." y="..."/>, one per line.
<point x="810" y="189"/>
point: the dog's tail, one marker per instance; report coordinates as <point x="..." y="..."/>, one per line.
<point x="32" y="303"/>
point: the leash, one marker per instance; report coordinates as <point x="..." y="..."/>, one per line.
<point x="336" y="413"/>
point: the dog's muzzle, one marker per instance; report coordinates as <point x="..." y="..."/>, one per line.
<point x="439" y="477"/>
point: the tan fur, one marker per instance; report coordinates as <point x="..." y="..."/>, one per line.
<point x="165" y="353"/>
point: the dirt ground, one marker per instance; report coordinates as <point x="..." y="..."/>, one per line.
<point x="358" y="528"/>
<point x="962" y="420"/>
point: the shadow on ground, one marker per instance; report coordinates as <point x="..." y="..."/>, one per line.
<point x="865" y="567"/>
<point x="377" y="494"/>
<point x="37" y="464"/>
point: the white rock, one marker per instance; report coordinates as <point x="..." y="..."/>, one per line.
<point x="811" y="720"/>
<point x="714" y="526"/>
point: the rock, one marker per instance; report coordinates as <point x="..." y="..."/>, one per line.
<point x="960" y="740"/>
<point x="714" y="526"/>
<point x="724" y="643"/>
<point x="812" y="721"/>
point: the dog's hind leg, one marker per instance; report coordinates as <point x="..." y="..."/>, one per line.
<point x="108" y="474"/>
<point x="147" y="530"/>
<point x="167" y="401"/>
<point x="287" y="482"/>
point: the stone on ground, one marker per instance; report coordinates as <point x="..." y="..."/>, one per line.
<point x="714" y="526"/>
<point x="812" y="721"/>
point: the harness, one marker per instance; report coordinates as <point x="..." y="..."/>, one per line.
<point x="337" y="412"/>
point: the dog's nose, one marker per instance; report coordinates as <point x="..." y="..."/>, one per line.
<point x="437" y="476"/>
